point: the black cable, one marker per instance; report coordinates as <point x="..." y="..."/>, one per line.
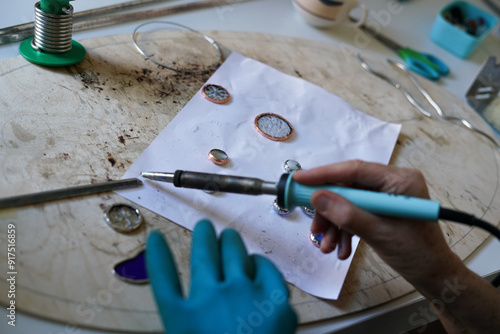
<point x="464" y="218"/>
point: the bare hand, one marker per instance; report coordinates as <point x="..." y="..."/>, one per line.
<point x="409" y="246"/>
<point x="415" y="249"/>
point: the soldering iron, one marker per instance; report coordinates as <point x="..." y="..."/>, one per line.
<point x="291" y="194"/>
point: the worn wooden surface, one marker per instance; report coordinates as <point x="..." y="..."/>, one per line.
<point x="89" y="122"/>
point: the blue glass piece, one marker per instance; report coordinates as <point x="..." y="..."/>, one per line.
<point x="132" y="270"/>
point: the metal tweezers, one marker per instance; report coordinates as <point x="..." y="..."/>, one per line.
<point x="461" y="121"/>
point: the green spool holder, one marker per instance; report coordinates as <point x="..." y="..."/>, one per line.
<point x="71" y="57"/>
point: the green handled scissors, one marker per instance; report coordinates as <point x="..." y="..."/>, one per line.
<point x="421" y="63"/>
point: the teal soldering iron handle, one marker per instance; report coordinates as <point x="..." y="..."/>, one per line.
<point x="292" y="194"/>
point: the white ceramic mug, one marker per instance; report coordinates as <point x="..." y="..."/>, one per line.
<point x="327" y="13"/>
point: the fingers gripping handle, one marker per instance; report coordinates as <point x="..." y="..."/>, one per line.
<point x="292" y="194"/>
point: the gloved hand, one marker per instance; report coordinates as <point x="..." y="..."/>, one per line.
<point x="231" y="292"/>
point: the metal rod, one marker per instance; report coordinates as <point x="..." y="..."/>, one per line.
<point x="114" y="8"/>
<point x="147" y="14"/>
<point x="64" y="193"/>
<point x="21" y="32"/>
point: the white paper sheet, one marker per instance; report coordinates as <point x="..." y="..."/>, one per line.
<point x="327" y="130"/>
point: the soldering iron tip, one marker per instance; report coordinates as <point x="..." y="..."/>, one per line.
<point x="157" y="176"/>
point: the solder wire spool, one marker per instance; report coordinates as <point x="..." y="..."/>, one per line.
<point x="52" y="44"/>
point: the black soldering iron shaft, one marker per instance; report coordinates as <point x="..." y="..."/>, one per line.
<point x="215" y="182"/>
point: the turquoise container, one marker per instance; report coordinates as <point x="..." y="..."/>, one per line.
<point x="455" y="40"/>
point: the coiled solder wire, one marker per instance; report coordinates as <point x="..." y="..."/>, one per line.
<point x="53" y="32"/>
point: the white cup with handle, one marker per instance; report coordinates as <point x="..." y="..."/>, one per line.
<point x="328" y="13"/>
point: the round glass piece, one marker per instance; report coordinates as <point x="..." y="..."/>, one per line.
<point x="218" y="157"/>
<point x="214" y="93"/>
<point x="123" y="218"/>
<point x="308" y="211"/>
<point x="291" y="166"/>
<point x="316" y="239"/>
<point x="273" y="126"/>
<point x="177" y="47"/>
<point x="279" y="210"/>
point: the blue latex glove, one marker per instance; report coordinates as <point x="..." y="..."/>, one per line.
<point x="231" y="292"/>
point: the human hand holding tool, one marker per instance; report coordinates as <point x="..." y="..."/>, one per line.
<point x="231" y="292"/>
<point x="298" y="190"/>
<point x="376" y="230"/>
<point x="416" y="249"/>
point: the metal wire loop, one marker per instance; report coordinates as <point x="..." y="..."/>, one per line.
<point x="210" y="40"/>
<point x="53" y="32"/>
